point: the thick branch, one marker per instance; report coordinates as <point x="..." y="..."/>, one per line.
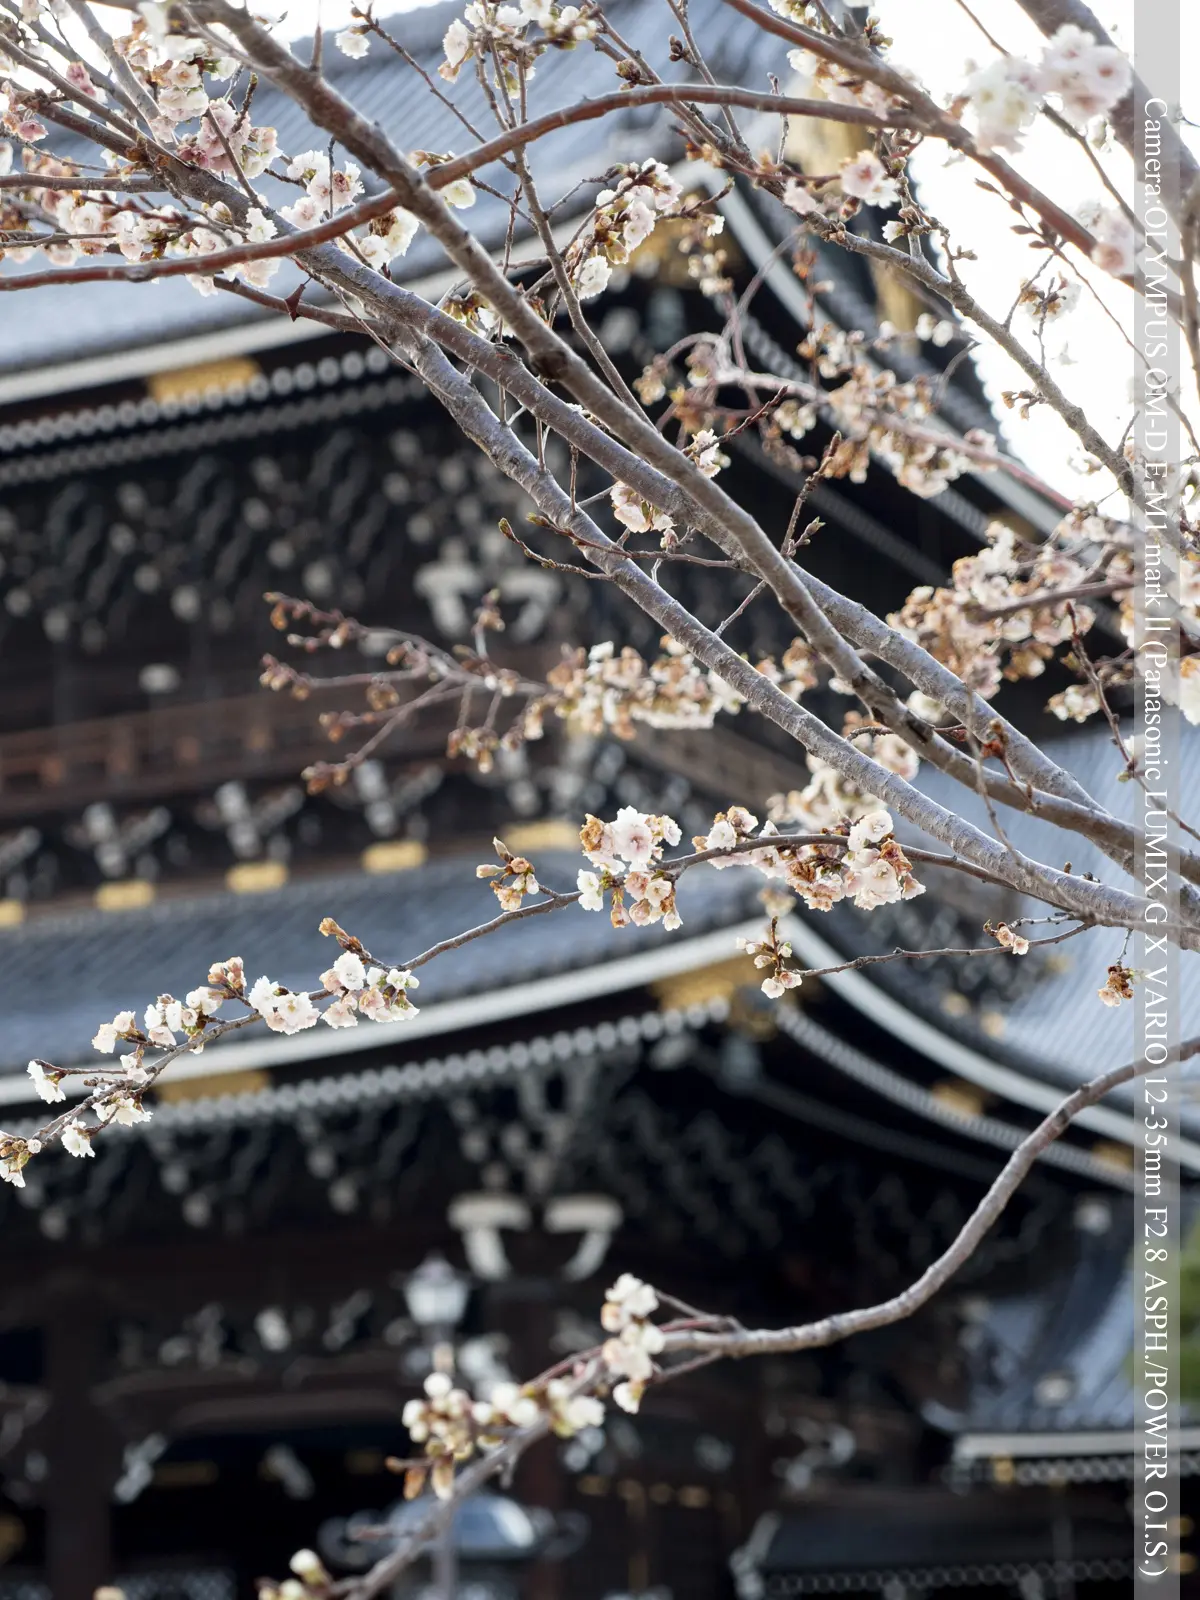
<point x="285" y="244"/>
<point x="660" y="94"/>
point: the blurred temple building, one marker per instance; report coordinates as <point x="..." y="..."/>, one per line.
<point x="209" y="1332"/>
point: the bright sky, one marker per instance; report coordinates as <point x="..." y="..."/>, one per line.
<point x="1102" y="364"/>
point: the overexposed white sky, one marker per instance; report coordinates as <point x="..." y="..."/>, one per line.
<point x="1100" y="366"/>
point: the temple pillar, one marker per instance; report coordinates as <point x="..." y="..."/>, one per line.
<point x="80" y="1452"/>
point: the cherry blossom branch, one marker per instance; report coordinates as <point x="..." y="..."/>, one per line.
<point x="130" y="183"/>
<point x="138" y="100"/>
<point x="882" y="958"/>
<point x="286" y="244"/>
<point x="860" y="63"/>
<point x="1125" y="116"/>
<point x="478" y="422"/>
<point x="843" y="1325"/>
<point x="551" y="354"/>
<point x="700" y="1337"/>
<point x="586" y="110"/>
<point x="537" y="908"/>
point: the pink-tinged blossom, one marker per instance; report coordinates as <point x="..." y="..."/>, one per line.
<point x="341" y="1013"/>
<point x="869" y="830"/>
<point x="633" y="838"/>
<point x="373" y="1004"/>
<point x="1089" y="78"/>
<point x="798" y="197"/>
<point x="1005" y="98"/>
<point x="292" y="1013"/>
<point x="864" y="178"/>
<point x="1115" y="247"/>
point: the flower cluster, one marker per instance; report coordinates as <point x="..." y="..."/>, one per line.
<point x="858" y="860"/>
<point x="826" y="80"/>
<point x="1118" y="985"/>
<point x="442" y="1423"/>
<point x="1115" y="249"/>
<point x="976" y="629"/>
<point x="1003" y="934"/>
<point x="877" y="415"/>
<point x="450" y="1426"/>
<point x="1087" y="79"/>
<point x="864" y="177"/>
<point x="14" y="1154"/>
<point x="625" y="853"/>
<point x="635" y="1340"/>
<point x="501" y="33"/>
<point x="772" y="951"/>
<point x="358" y="990"/>
<point x="624" y="218"/>
<point x="604" y="690"/>
<point x="512" y="880"/>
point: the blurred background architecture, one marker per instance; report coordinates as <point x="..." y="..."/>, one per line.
<point x="207" y="1335"/>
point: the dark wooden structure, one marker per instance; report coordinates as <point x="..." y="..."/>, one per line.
<point x="205" y="1344"/>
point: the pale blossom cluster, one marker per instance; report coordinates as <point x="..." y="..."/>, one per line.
<point x="874" y="412"/>
<point x="624" y="218"/>
<point x="1086" y="78"/>
<point x="512" y="880"/>
<point x="450" y="1426"/>
<point x="353" y="987"/>
<point x="818" y="78"/>
<point x="864" y="177"/>
<point x="1115" y="249"/>
<point x="626" y="853"/>
<point x="924" y="459"/>
<point x="1008" y="937"/>
<point x="960" y="625"/>
<point x="358" y="989"/>
<point x="1076" y="703"/>
<point x="829" y="797"/>
<point x="772" y="951"/>
<point x="634" y="838"/>
<point x="513" y="36"/>
<point x="628" y="1354"/>
<point x="861" y="861"/>
<point x="609" y="690"/>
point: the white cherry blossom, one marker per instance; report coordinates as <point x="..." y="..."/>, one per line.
<point x="75" y="1140"/>
<point x="48" y="1085"/>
